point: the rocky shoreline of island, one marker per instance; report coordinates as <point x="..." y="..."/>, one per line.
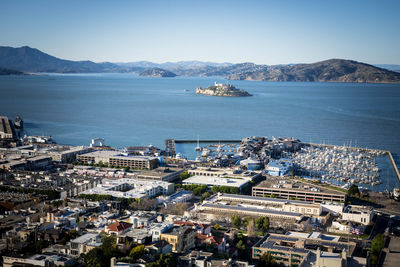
<point x="219" y="89"/>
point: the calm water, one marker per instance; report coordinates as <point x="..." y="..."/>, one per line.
<point x="129" y="110"/>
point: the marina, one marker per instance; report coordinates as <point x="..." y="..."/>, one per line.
<point x="338" y="166"/>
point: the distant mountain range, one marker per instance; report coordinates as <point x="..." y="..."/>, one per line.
<point x="26" y="59"/>
<point x="181" y="64"/>
<point x="332" y="70"/>
<point x="392" y="67"/>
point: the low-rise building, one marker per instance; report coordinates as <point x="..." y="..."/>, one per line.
<point x="181" y="238"/>
<point x="325" y="259"/>
<point x="300" y="249"/>
<point x="279" y="167"/>
<point x="26" y="163"/>
<point x="38" y="260"/>
<point x="118" y="228"/>
<point x="118" y="158"/>
<point x="159" y="247"/>
<point x="358" y="214"/>
<point x="83" y="244"/>
<point x="297" y="190"/>
<point x="138" y="236"/>
<point x="203" y="259"/>
<point x="276" y="209"/>
<point x="167" y="174"/>
<point x="334" y="208"/>
<point x="69" y="154"/>
<point x="138" y="219"/>
<point x="132" y="188"/>
<point x="228" y="204"/>
<point x="216" y="181"/>
<point x="160" y="228"/>
<point x="178" y="197"/>
<point x="224" y="172"/>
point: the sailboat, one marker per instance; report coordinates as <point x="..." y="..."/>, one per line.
<point x="197" y="148"/>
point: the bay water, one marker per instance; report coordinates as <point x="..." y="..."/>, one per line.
<point x="128" y="110"/>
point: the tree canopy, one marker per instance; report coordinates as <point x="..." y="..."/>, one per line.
<point x="267" y="260"/>
<point x="376" y="246"/>
<point x="353" y="191"/>
<point x="262" y="223"/>
<point x="236" y="221"/>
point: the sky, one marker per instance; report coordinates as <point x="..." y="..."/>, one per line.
<point x="263" y="32"/>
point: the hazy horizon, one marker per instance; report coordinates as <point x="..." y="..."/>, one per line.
<point x="262" y="32"/>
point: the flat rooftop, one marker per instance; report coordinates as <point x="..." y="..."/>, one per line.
<point x="223" y="172"/>
<point x="215" y="181"/>
<point x="260" y="200"/>
<point x="358" y="209"/>
<point x="260" y="210"/>
<point x="160" y="172"/>
<point x="295" y="185"/>
<point x="114" y="154"/>
<point x="84" y="238"/>
<point x="274" y="241"/>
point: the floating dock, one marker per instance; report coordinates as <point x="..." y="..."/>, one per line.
<point x="387" y="152"/>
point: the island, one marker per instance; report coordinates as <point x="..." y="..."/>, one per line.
<point x="4" y="71"/>
<point x="157" y="72"/>
<point x="220" y="89"/>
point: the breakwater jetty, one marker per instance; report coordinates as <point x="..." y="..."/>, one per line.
<point x="396" y="170"/>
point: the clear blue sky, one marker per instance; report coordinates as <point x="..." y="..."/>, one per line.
<point x="268" y="32"/>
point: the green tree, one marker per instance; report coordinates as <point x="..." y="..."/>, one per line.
<point x="184" y="175"/>
<point x="199" y="190"/>
<point x="240" y="245"/>
<point x="266" y="260"/>
<point x="109" y="246"/>
<point x="137" y="252"/>
<point x="376" y="247"/>
<point x="236" y="221"/>
<point x="353" y="191"/>
<point x="262" y="223"/>
<point x="95" y="258"/>
<point x="205" y="195"/>
<point x="165" y="260"/>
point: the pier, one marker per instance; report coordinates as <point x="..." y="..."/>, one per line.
<point x="170" y="143"/>
<point x="350" y="147"/>
<point x="187" y="141"/>
<point x="396" y="170"/>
